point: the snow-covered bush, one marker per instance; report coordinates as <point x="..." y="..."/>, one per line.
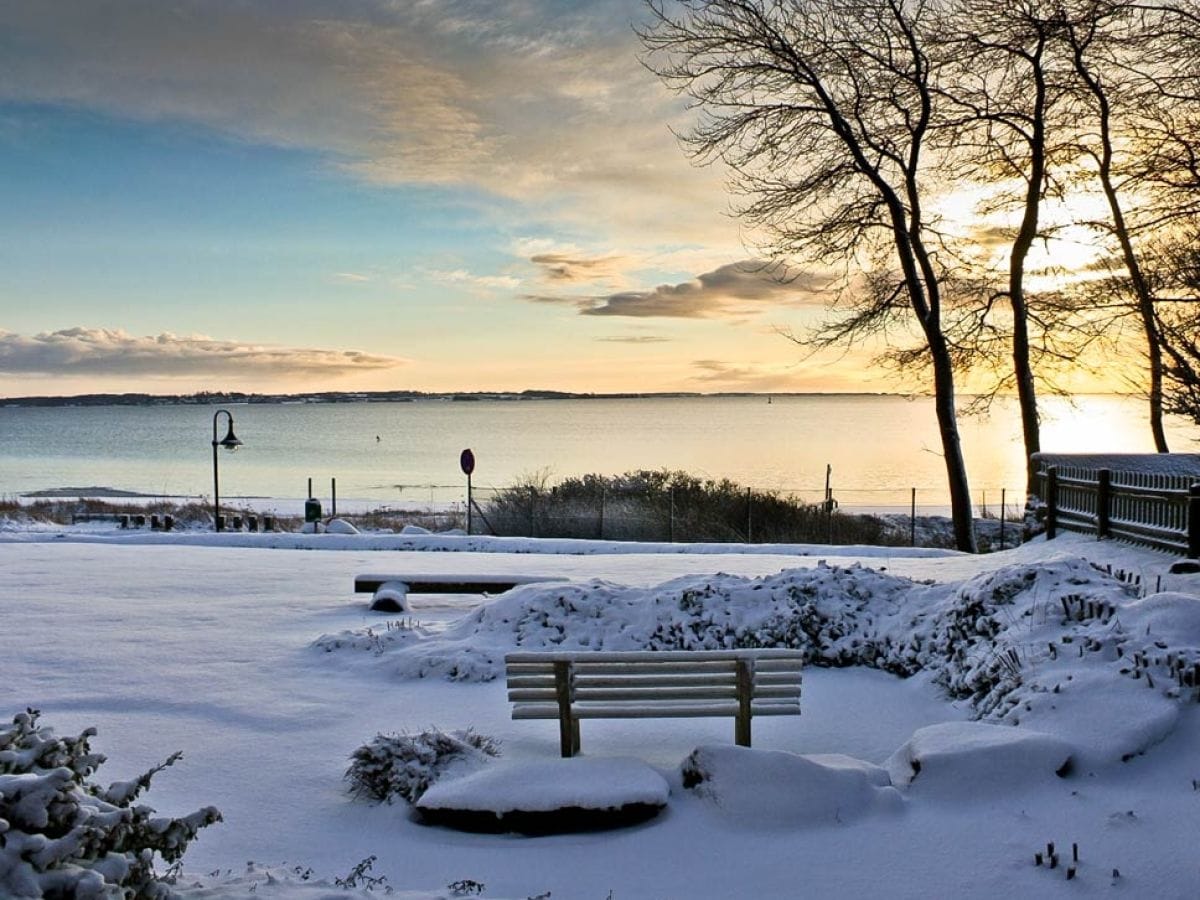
<point x="405" y="765"/>
<point x="62" y="835"/>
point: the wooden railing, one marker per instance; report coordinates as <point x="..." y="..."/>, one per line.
<point x="1159" y="509"/>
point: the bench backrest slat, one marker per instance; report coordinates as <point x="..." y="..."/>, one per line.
<point x="686" y="656"/>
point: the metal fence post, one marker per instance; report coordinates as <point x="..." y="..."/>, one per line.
<point x="1051" y="502"/>
<point x="749" y="516"/>
<point x="1103" y="500"/>
<point x="671" y="514"/>
<point x="602" y="492"/>
<point x="1194" y="521"/>
<point x="912" y="521"/>
<point x="532" y="511"/>
<point x="1003" y="491"/>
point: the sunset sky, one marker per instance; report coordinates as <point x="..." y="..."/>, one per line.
<point x="319" y="195"/>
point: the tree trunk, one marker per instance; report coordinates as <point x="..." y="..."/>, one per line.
<point x="1022" y="368"/>
<point x="956" y="468"/>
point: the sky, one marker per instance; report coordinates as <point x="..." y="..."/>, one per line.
<point x="302" y="195"/>
<point x="311" y="195"/>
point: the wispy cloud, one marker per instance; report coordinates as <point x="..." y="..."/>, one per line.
<point x="103" y="351"/>
<point x="743" y="376"/>
<point x="464" y="278"/>
<point x="635" y="339"/>
<point x="574" y="268"/>
<point x="351" y="277"/>
<point x="734" y="290"/>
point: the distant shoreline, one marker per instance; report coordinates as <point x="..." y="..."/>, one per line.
<point x="206" y="398"/>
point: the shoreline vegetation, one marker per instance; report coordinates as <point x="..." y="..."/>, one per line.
<point x="209" y="398"/>
<point x="637" y="506"/>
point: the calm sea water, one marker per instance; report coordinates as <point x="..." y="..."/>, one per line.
<point x="879" y="446"/>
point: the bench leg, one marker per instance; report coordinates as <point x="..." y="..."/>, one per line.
<point x="568" y="725"/>
<point x="745" y="686"/>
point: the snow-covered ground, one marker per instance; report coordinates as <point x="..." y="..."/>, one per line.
<point x="252" y="655"/>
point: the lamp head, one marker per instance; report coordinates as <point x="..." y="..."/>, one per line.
<point x="230" y="441"/>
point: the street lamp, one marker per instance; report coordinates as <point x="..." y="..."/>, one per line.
<point x="229" y="442"/>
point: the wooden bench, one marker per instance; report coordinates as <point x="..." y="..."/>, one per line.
<point x="397" y="586"/>
<point x="653" y="684"/>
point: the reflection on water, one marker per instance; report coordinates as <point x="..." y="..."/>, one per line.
<point x="879" y="446"/>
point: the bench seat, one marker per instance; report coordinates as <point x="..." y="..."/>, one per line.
<point x="570" y="686"/>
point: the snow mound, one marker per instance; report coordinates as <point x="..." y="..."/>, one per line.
<point x="773" y="789"/>
<point x="547" y="796"/>
<point x="969" y="759"/>
<point x="1170" y="617"/>
<point x="340" y="526"/>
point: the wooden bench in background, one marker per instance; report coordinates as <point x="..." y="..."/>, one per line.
<point x="401" y="585"/>
<point x="653" y="684"/>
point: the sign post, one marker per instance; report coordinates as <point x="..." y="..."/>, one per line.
<point x="467" y="463"/>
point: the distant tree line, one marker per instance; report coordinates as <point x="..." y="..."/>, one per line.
<point x="846" y="125"/>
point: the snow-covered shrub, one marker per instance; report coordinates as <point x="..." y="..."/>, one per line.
<point x="405" y="765"/>
<point x="62" y="835"/>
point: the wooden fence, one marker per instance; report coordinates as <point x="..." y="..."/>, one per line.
<point x="1158" y="509"/>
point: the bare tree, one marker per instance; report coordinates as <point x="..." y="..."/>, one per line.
<point x="1173" y="269"/>
<point x="1140" y="127"/>
<point x="1005" y="80"/>
<point x="823" y="111"/>
<point x="1107" y="44"/>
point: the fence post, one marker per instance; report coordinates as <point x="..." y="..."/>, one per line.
<point x="602" y="513"/>
<point x="912" y="521"/>
<point x="1051" y="502"/>
<point x="671" y="524"/>
<point x="749" y="516"/>
<point x="532" y="512"/>
<point x="1194" y="521"/>
<point x="1003" y="492"/>
<point x="1103" y="500"/>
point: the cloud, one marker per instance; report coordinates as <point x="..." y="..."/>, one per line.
<point x="351" y="277"/>
<point x="103" y="351"/>
<point x="534" y="100"/>
<point x="736" y="289"/>
<point x="573" y="268"/>
<point x="465" y="278"/>
<point x="635" y="339"/>
<point x="743" y="376"/>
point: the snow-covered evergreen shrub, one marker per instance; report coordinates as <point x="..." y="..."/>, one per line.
<point x="63" y="836"/>
<point x="405" y="765"/>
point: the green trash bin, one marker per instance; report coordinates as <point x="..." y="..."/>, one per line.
<point x="312" y="510"/>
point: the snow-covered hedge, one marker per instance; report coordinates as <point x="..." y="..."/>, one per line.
<point x="405" y="765"/>
<point x="1017" y="643"/>
<point x="62" y="835"/>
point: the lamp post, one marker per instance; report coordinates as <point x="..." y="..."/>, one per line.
<point x="229" y="442"/>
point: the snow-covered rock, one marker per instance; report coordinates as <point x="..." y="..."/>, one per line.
<point x="969" y="760"/>
<point x="773" y="789"/>
<point x="340" y="526"/>
<point x="549" y="795"/>
<point x="391" y="596"/>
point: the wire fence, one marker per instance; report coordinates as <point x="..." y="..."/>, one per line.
<point x="689" y="510"/>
